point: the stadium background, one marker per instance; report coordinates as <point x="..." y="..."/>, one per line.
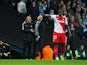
<point x="10" y="29"/>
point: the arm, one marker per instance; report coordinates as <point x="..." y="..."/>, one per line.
<point x="49" y="16"/>
<point x="67" y="26"/>
<point x="46" y="15"/>
<point x="32" y="29"/>
<point x="23" y="25"/>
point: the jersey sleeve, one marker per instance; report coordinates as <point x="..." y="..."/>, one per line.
<point x="52" y="16"/>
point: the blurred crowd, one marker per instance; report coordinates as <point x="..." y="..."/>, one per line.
<point x="75" y="10"/>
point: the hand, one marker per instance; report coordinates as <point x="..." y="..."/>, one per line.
<point x="32" y="30"/>
<point x="5" y="54"/>
<point x="37" y="39"/>
<point x="46" y="15"/>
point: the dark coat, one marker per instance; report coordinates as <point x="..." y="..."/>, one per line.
<point x="28" y="35"/>
<point x="39" y="45"/>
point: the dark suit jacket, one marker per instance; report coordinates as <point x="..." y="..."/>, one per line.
<point x="28" y="35"/>
<point x="41" y="29"/>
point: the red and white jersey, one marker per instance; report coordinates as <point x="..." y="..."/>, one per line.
<point x="59" y="23"/>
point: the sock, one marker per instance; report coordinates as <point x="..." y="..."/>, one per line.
<point x="63" y="50"/>
<point x="56" y="51"/>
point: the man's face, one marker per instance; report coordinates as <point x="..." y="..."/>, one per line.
<point x="81" y="47"/>
<point x="60" y="12"/>
<point x="40" y="18"/>
<point x="33" y="3"/>
<point x="28" y="19"/>
<point x="1" y="42"/>
<point x="68" y="47"/>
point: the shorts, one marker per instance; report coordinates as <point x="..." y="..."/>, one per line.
<point x="59" y="38"/>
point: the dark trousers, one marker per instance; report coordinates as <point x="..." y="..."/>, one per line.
<point x="39" y="46"/>
<point x="27" y="49"/>
<point x="71" y="42"/>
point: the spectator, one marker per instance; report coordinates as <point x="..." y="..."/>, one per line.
<point x="21" y="7"/>
<point x="72" y="9"/>
<point x="85" y="20"/>
<point x="51" y="11"/>
<point x="79" y="2"/>
<point x="77" y="16"/>
<point x="78" y="8"/>
<point x="33" y="10"/>
<point x="83" y="15"/>
<point x="55" y="7"/>
<point x="4" y="50"/>
<point x="65" y="13"/>
<point x="84" y="10"/>
<point x="61" y="3"/>
<point x="41" y="8"/>
<point x="73" y="24"/>
<point x="82" y="30"/>
<point x="64" y="7"/>
<point x="80" y="53"/>
<point x="45" y="6"/>
<point x="68" y="5"/>
<point x="49" y="4"/>
<point x="83" y="5"/>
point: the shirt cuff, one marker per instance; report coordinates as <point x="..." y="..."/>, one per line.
<point x="38" y="36"/>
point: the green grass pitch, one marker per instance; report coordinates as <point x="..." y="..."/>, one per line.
<point x="43" y="62"/>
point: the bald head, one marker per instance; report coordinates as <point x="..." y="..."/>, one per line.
<point x="40" y="18"/>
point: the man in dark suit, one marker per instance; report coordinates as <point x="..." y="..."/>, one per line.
<point x="39" y="35"/>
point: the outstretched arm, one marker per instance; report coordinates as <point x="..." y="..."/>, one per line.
<point x="48" y="15"/>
